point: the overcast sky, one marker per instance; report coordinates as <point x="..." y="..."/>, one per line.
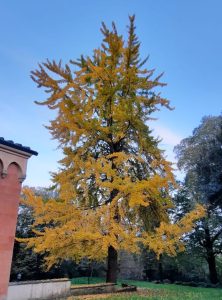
<point x="182" y="38"/>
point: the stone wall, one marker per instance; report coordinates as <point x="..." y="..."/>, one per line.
<point x="93" y="289"/>
<point x="38" y="289"/>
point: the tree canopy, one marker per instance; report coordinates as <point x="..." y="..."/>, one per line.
<point x="200" y="155"/>
<point x="114" y="181"/>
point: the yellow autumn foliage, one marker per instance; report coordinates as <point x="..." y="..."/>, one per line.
<point x="114" y="182"/>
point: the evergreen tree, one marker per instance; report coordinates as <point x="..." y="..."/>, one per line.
<point x="114" y="180"/>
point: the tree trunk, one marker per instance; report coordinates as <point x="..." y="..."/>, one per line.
<point x="212" y="267"/>
<point x="112" y="265"/>
<point x="210" y="256"/>
<point x="160" y="268"/>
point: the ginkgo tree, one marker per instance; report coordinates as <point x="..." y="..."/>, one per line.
<point x="113" y="182"/>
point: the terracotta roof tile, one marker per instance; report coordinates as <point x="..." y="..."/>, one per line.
<point x="17" y="146"/>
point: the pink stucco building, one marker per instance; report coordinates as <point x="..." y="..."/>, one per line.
<point x="13" y="163"/>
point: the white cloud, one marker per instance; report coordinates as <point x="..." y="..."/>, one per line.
<point x="167" y="136"/>
<point x="169" y="139"/>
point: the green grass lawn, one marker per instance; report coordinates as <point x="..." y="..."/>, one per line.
<point x="158" y="291"/>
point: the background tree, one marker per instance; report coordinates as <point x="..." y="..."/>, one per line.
<point x="201" y="157"/>
<point x="114" y="181"/>
<point x="24" y="260"/>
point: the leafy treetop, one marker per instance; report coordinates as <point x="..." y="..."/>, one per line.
<point x="114" y="180"/>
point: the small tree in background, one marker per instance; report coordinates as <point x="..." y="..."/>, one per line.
<point x="114" y="180"/>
